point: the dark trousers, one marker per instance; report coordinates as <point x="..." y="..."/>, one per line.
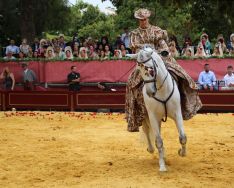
<point x="29" y="86"/>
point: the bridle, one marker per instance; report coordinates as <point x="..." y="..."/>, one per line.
<point x="155" y="69"/>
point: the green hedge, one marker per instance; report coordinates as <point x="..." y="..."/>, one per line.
<point x="2" y="60"/>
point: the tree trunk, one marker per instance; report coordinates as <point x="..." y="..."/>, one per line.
<point x="27" y="25"/>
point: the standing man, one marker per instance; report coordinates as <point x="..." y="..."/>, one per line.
<point x="207" y="79"/>
<point x="73" y="79"/>
<point x="156" y="38"/>
<point x="229" y="78"/>
<point x="125" y="37"/>
<point x="29" y="78"/>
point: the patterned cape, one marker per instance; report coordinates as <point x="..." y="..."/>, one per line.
<point x="135" y="108"/>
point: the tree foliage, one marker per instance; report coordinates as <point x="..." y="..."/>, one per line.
<point x="27" y="18"/>
<point x="88" y="21"/>
<point x="181" y="17"/>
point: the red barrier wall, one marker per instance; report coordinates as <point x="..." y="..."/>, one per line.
<point x="107" y="71"/>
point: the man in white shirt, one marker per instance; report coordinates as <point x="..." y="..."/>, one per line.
<point x="125" y="37"/>
<point x="12" y="48"/>
<point x="207" y="79"/>
<point x="9" y="56"/>
<point x="229" y="78"/>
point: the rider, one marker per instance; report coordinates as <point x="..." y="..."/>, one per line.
<point x="156" y="38"/>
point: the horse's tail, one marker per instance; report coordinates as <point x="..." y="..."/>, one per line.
<point x="146" y="129"/>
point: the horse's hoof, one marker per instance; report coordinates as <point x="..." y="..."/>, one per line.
<point x="162" y="169"/>
<point x="151" y="151"/>
<point x="182" y="152"/>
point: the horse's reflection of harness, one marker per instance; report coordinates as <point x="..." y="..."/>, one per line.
<point x="154" y="72"/>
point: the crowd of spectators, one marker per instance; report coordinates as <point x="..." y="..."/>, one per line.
<point x="58" y="48"/>
<point x="90" y="48"/>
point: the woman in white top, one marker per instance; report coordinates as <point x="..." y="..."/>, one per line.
<point x="24" y="47"/>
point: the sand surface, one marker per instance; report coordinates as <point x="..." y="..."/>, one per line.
<point x="46" y="149"/>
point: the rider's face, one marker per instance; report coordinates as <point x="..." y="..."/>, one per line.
<point x="143" y="23"/>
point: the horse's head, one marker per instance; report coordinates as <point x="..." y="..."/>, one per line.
<point x="146" y="64"/>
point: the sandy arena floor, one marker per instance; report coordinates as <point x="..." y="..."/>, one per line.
<point x="44" y="149"/>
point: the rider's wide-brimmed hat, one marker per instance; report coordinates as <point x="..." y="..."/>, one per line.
<point x="142" y="14"/>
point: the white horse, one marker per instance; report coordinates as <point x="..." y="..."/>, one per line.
<point x="162" y="99"/>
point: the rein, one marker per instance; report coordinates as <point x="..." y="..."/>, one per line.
<point x="164" y="102"/>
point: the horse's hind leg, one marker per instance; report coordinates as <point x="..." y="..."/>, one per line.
<point x="146" y="129"/>
<point x="182" y="135"/>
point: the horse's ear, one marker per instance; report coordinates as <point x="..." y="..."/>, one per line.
<point x="132" y="56"/>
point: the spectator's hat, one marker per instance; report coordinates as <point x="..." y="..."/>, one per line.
<point x="204" y="35"/>
<point x="83" y="49"/>
<point x="61" y="35"/>
<point x="142" y="14"/>
<point x="68" y="48"/>
<point x="231" y="36"/>
<point x="220" y="36"/>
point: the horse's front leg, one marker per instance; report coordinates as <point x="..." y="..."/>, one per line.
<point x="155" y="124"/>
<point x="146" y="129"/>
<point x="182" y="135"/>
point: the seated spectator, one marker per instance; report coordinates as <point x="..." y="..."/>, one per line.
<point x="8" y="79"/>
<point x="107" y="52"/>
<point x="200" y="51"/>
<point x="91" y="53"/>
<point x="30" y="52"/>
<point x="35" y="54"/>
<point x="172" y="49"/>
<point x="83" y="53"/>
<point x="89" y="42"/>
<point x="205" y="43"/>
<point x="221" y="42"/>
<point x="24" y="47"/>
<point x="50" y="53"/>
<point x="35" y="45"/>
<point x="124" y="51"/>
<point x="73" y="79"/>
<point x="29" y="77"/>
<point x="12" y="48"/>
<point x="21" y="56"/>
<point x="207" y="79"/>
<point x="68" y="53"/>
<point x="104" y="41"/>
<point x="188" y="52"/>
<point x="231" y="44"/>
<point x="100" y="48"/>
<point x="42" y="48"/>
<point x="174" y="40"/>
<point x="187" y="44"/>
<point x="76" y="50"/>
<point x="75" y="40"/>
<point x="59" y="54"/>
<point x="118" y="42"/>
<point x="218" y="50"/>
<point x="229" y="78"/>
<point x="54" y="42"/>
<point x="102" y="55"/>
<point x="118" y="54"/>
<point x="9" y="56"/>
